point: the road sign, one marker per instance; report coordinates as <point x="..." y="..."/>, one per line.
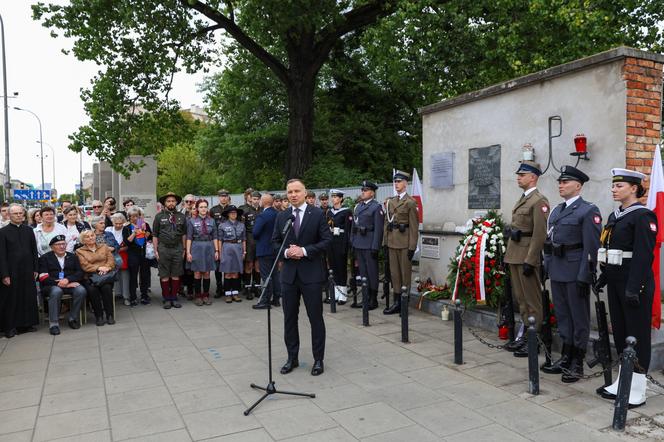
<point x="32" y="195"/>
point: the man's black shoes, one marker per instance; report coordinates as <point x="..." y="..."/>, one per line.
<point x="318" y="368"/>
<point x="276" y="303"/>
<point x="73" y="324"/>
<point x="10" y="333"/>
<point x="54" y="330"/>
<point x="289" y="366"/>
<point x="261" y="306"/>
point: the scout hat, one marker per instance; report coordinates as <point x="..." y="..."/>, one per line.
<point x="231" y="208"/>
<point x="568" y="173"/>
<point x="369" y="185"/>
<point x="56" y="238"/>
<point x="626" y="175"/>
<point x="529" y="167"/>
<point x="401" y="175"/>
<point x="178" y="198"/>
<point x="336" y="192"/>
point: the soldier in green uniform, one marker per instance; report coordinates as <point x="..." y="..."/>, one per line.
<point x="524" y="250"/>
<point x="400" y="236"/>
<point x="250" y="209"/>
<point x="168" y="231"/>
<point x="324" y="203"/>
<point x="216" y="212"/>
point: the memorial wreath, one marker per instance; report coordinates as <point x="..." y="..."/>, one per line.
<point x="477" y="272"/>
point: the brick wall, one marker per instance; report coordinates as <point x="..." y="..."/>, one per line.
<point x="644" y="111"/>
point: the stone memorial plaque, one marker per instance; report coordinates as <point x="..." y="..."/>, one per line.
<point x="430" y="247"/>
<point x="484" y="177"/>
<point x="442" y="170"/>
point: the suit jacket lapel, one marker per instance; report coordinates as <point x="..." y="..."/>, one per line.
<point x="569" y="210"/>
<point x="305" y="217"/>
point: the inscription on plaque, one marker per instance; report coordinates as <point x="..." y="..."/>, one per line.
<point x="442" y="170"/>
<point x="430" y="247"/>
<point x="484" y="177"/>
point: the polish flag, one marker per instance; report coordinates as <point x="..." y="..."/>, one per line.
<point x="417" y="193"/>
<point x="656" y="204"/>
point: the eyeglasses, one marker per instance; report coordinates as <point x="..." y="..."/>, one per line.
<point x="96" y="207"/>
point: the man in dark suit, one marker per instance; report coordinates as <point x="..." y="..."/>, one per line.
<point x="59" y="273"/>
<point x="262" y="231"/>
<point x="303" y="272"/>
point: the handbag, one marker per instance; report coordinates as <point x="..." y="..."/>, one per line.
<point x="125" y="259"/>
<point x="118" y="260"/>
<point x="98" y="280"/>
<point x="149" y="251"/>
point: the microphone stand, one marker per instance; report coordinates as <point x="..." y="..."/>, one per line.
<point x="271" y="388"/>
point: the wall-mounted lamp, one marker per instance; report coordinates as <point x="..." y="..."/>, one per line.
<point x="581" y="147"/>
<point x="528" y="152"/>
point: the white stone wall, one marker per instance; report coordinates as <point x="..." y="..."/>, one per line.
<point x="591" y="101"/>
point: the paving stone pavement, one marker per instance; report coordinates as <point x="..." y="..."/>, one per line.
<point x="185" y="374"/>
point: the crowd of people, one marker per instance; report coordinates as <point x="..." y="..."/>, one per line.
<point x="91" y="259"/>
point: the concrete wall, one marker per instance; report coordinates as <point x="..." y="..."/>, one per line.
<point x="105" y="180"/>
<point x="140" y="187"/>
<point x="590" y="101"/>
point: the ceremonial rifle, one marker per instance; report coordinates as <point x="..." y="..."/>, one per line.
<point x="601" y="345"/>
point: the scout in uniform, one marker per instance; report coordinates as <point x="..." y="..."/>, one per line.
<point x="251" y="277"/>
<point x="187" y="278"/>
<point x="524" y="250"/>
<point x="324" y="200"/>
<point x="367" y="237"/>
<point x="400" y="236"/>
<point x="625" y="258"/>
<point x="169" y="237"/>
<point x="340" y="220"/>
<point x="216" y="212"/>
<point x="202" y="251"/>
<point x="232" y="247"/>
<point x="570" y="251"/>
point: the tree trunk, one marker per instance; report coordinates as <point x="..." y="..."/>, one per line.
<point x="300" y="126"/>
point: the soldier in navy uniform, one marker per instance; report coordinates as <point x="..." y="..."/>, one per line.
<point x="367" y="237"/>
<point x="625" y="258"/>
<point x="570" y="252"/>
<point x="340" y="220"/>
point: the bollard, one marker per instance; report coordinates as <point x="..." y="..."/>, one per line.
<point x="458" y="334"/>
<point x="624" y="385"/>
<point x="333" y="293"/>
<point x="404" y="314"/>
<point x="533" y="363"/>
<point x="365" y="302"/>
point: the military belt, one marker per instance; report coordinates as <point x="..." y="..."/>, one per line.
<point x="232" y="241"/>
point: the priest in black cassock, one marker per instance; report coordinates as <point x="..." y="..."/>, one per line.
<point x="18" y="271"/>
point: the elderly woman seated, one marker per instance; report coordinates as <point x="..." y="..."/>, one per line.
<point x="98" y="264"/>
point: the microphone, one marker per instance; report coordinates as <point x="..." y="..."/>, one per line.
<point x="288" y="225"/>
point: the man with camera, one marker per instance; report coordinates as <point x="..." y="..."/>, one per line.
<point x="570" y="249"/>
<point x="524" y="250"/>
<point x="366" y="238"/>
<point x="400" y="237"/>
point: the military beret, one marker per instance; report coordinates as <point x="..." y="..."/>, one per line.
<point x="256" y="193"/>
<point x="56" y="238"/>
<point x="323" y="196"/>
<point x="223" y="192"/>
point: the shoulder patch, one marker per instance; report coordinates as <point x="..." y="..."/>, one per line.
<point x="653" y="227"/>
<point x="597" y="219"/>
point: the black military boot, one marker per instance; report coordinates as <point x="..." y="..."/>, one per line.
<point x="575" y="371"/>
<point x="522" y="350"/>
<point x="564" y="361"/>
<point x="396" y="307"/>
<point x="513" y="345"/>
